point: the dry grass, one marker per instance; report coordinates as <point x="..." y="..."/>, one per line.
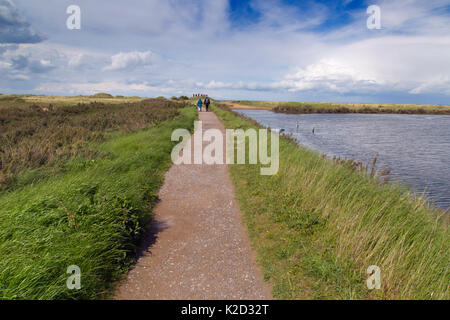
<point x="36" y="135"/>
<point x="80" y="99"/>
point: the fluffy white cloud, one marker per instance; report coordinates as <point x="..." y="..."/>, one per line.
<point x="129" y="60"/>
<point x="329" y="74"/>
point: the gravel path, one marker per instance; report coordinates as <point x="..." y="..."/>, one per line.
<point x="198" y="247"/>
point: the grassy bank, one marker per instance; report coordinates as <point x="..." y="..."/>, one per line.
<point x="68" y="100"/>
<point x="324" y="107"/>
<point x="93" y="212"/>
<point x="318" y="225"/>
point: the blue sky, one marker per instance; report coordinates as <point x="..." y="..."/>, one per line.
<point x="230" y="49"/>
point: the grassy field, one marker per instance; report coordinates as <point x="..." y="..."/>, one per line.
<point x="86" y="200"/>
<point x="325" y="107"/>
<point x="36" y="135"/>
<point x="69" y="100"/>
<point x="318" y="225"/>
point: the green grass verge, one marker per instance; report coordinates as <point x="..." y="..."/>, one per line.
<point x="92" y="216"/>
<point x="317" y="226"/>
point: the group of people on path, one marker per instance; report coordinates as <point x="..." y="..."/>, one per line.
<point x="200" y="103"/>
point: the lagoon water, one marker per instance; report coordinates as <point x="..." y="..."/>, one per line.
<point x="415" y="147"/>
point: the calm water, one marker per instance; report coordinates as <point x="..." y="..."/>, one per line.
<point x="415" y="147"/>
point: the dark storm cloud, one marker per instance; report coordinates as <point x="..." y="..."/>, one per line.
<point x="19" y="62"/>
<point x="23" y="63"/>
<point x="14" y="28"/>
<point x="6" y="47"/>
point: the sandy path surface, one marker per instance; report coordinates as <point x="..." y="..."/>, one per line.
<point x="198" y="247"/>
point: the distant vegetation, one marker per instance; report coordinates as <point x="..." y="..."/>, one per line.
<point x="79" y="183"/>
<point x="102" y="95"/>
<point x="310" y="108"/>
<point x="319" y="223"/>
<point x="66" y="100"/>
<point x="180" y="98"/>
<point x="323" y="107"/>
<point x="11" y="99"/>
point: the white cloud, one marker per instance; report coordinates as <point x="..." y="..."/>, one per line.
<point x="18" y="77"/>
<point x="440" y="84"/>
<point x="129" y="60"/>
<point x="329" y="74"/>
<point x="414" y="15"/>
<point x="75" y="60"/>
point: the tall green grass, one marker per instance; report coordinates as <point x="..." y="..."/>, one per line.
<point x="92" y="216"/>
<point x="318" y="225"/>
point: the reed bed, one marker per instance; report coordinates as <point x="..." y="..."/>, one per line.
<point x="323" y="108"/>
<point x="328" y="107"/>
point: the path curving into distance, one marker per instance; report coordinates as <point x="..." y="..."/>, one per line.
<point x="198" y="247"/>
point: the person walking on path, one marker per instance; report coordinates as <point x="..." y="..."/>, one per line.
<point x="199" y="105"/>
<point x="207" y="102"/>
